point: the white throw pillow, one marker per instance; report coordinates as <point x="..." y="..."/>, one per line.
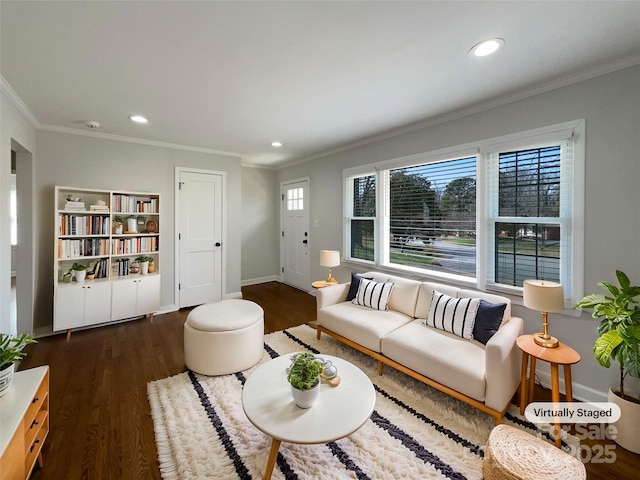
<point x="455" y="315"/>
<point x="373" y="294"/>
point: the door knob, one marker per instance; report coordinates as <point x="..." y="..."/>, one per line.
<point x="218" y="244"/>
<point x="305" y="242"/>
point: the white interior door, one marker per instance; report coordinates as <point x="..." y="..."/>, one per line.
<point x="295" y="234"/>
<point x="200" y="237"/>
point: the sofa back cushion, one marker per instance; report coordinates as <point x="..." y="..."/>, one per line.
<point x="426" y="292"/>
<point x="491" y="298"/>
<point x="404" y="295"/>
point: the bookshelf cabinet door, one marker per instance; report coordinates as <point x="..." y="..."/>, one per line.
<point x="97" y="303"/>
<point x="148" y="294"/>
<point x="123" y="298"/>
<point x="69" y="307"/>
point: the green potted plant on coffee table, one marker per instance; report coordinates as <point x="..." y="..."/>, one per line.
<point x="619" y="339"/>
<point x="304" y="377"/>
<point x="10" y="353"/>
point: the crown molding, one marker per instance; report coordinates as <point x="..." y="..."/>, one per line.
<point x="17" y="102"/>
<point x="522" y="94"/>
<point x="15" y="99"/>
<point x="140" y="141"/>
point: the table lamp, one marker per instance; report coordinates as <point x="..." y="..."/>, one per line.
<point x="330" y="258"/>
<point x="545" y="297"/>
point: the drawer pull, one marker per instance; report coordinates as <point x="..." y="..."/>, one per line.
<point x="35" y="399"/>
<point x="34" y="445"/>
<point x="35" y="422"/>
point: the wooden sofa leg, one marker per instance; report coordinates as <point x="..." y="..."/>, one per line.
<point x="318" y="333"/>
<point x="380" y="365"/>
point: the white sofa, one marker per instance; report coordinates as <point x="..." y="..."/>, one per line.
<point x="485" y="376"/>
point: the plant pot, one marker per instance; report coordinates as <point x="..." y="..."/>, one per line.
<point x="627" y="426"/>
<point x="144" y="268"/>
<point x="80" y="275"/>
<point x="117" y="229"/>
<point x="305" y="398"/>
<point x="132" y="224"/>
<point x="6" y="377"/>
<point x="152" y="267"/>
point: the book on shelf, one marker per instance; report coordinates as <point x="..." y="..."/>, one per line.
<point x="99" y="208"/>
<point x="75" y="206"/>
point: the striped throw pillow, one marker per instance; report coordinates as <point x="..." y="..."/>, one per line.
<point x="373" y="294"/>
<point x="454" y="315"/>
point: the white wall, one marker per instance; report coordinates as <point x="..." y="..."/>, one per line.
<point x="90" y="162"/>
<point x="15" y="131"/>
<point x="610" y="104"/>
<point x="260" y="226"/>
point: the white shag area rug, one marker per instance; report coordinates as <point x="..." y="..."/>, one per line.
<point x="415" y="432"/>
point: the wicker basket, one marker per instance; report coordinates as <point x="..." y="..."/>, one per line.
<point x="513" y="454"/>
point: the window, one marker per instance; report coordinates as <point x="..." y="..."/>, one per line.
<point x="432" y="216"/>
<point x="295" y="199"/>
<point x="487" y="215"/>
<point x="527" y="227"/>
<point x="361" y="217"/>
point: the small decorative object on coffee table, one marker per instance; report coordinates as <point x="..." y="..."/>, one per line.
<point x="338" y="412"/>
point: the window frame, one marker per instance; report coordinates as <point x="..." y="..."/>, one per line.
<point x="572" y="221"/>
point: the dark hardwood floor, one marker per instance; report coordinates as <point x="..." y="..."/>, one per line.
<point x="101" y="425"/>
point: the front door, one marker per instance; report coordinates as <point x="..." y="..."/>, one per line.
<point x="200" y="237"/>
<point x="295" y="234"/>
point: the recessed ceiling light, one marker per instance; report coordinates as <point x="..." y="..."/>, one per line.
<point x="485" y="48"/>
<point x="138" y="119"/>
<point x="276" y="144"/>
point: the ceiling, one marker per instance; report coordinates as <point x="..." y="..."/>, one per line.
<point x="318" y="76"/>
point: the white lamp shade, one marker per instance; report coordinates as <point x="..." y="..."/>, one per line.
<point x="543" y="296"/>
<point x="329" y="258"/>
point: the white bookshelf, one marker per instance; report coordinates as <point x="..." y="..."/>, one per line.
<point x="85" y="233"/>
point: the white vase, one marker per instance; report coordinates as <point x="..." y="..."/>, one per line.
<point x="80" y="275"/>
<point x="132" y="224"/>
<point x="627" y="427"/>
<point x="6" y="377"/>
<point x="144" y="268"/>
<point x="305" y="398"/>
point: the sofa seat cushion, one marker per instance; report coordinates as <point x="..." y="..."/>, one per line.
<point x="359" y="324"/>
<point x="441" y="356"/>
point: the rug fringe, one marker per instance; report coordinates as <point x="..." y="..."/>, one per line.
<point x="167" y="462"/>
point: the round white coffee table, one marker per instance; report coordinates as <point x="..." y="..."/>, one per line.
<point x="338" y="411"/>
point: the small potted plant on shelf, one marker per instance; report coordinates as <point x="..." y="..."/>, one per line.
<point x="77" y="271"/>
<point x="619" y="339"/>
<point x="143" y="261"/>
<point x="118" y="224"/>
<point x="10" y="353"/>
<point x="304" y="377"/>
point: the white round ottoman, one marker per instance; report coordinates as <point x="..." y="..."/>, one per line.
<point x="224" y="337"/>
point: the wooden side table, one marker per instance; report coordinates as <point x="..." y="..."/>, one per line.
<point x="560" y="355"/>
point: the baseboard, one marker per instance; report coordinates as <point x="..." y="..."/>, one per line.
<point x="255" y="281"/>
<point x="233" y="295"/>
<point x="580" y="392"/>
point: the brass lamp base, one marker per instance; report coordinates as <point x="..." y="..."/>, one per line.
<point x="545" y="341"/>
<point x="330" y="279"/>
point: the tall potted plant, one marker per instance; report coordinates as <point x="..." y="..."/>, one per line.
<point x="619" y="330"/>
<point x="10" y="353"/>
